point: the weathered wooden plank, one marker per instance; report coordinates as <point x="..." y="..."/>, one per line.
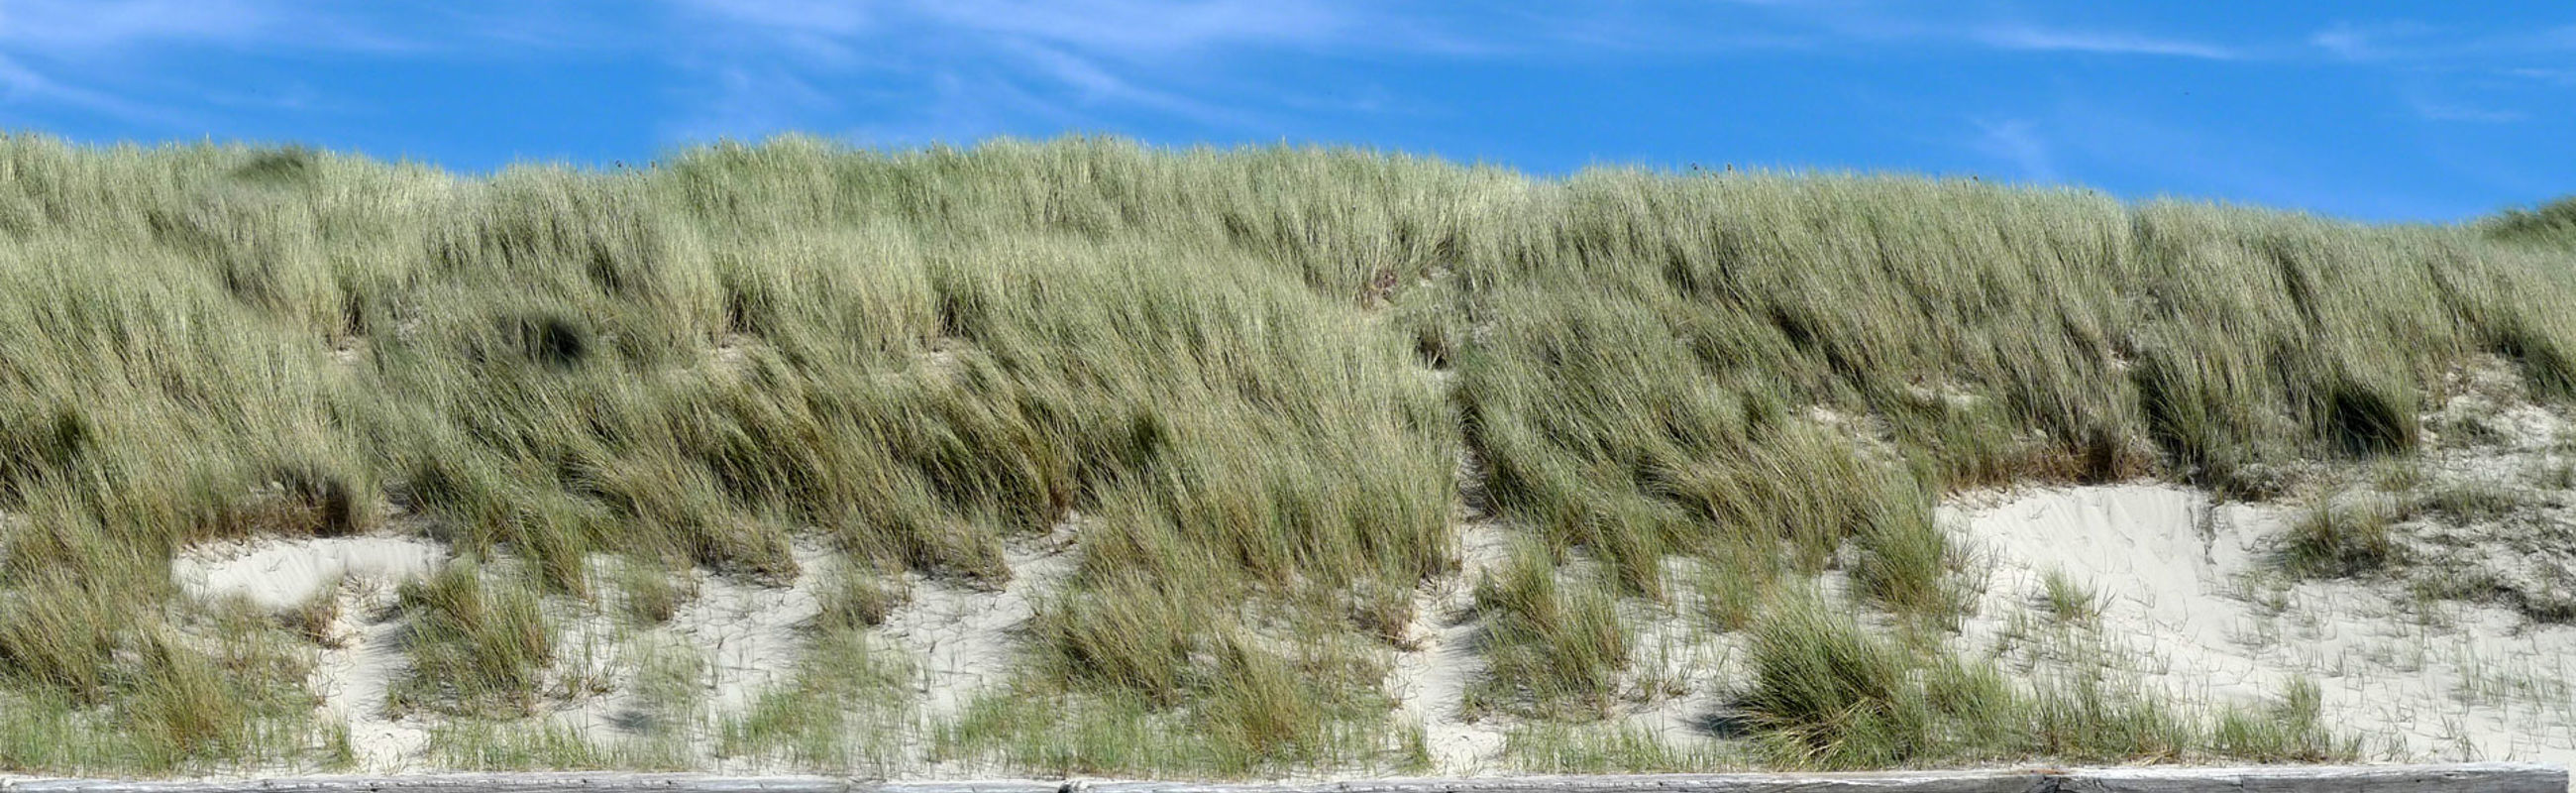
<point x="458" y="783"/>
<point x="2462" y="778"/>
<point x="1006" y="786"/>
<point x="1913" y="782"/>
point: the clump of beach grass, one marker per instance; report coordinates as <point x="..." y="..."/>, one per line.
<point x="2290" y="729"/>
<point x="2340" y="537"/>
<point x="848" y="706"/>
<point x="2552" y="223"/>
<point x="477" y="647"/>
<point x="1828" y="693"/>
<point x="1551" y="643"/>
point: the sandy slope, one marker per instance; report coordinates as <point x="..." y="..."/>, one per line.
<point x="1429" y="679"/>
<point x="278" y="574"/>
<point x="2190" y="603"/>
<point x="965" y="640"/>
<point x="2188" y="606"/>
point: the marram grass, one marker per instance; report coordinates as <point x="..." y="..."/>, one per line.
<point x="1253" y="373"/>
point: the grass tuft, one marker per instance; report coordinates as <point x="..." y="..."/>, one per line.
<point x="2291" y="729"/>
<point x="2339" y="538"/>
<point x="477" y="648"/>
<point x="843" y="710"/>
<point x="2466" y="503"/>
<point x="1826" y="693"/>
<point x="858" y="603"/>
<point x="2550" y="223"/>
<point x="2068" y="600"/>
<point x="1552" y="645"/>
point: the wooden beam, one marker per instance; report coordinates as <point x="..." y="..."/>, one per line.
<point x="1898" y="782"/>
<point x="2465" y="778"/>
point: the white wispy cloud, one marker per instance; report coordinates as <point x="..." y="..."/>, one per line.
<point x="1097" y="83"/>
<point x="35" y="35"/>
<point x="99" y="56"/>
<point x="754" y="101"/>
<point x="1827" y="24"/>
<point x="106" y="29"/>
<point x="970" y="68"/>
<point x="1910" y="24"/>
<point x="1058" y="61"/>
<point x="2405" y="42"/>
<point x="2343" y="42"/>
<point x="2032" y="38"/>
<point x="819" y="16"/>
<point x="2452" y="74"/>
<point x="2560" y="77"/>
<point x="21" y="84"/>
<point x="813" y="31"/>
<point x="745" y="66"/>
<point x="957" y="108"/>
<point x="1124" y="29"/>
<point x="1106" y="56"/>
<point x="2017" y="142"/>
<point x="57" y="25"/>
<point x="1151" y="28"/>
<point x="2445" y="111"/>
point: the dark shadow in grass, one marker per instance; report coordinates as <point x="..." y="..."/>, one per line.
<point x="1727" y="723"/>
<point x="2366" y="422"/>
<point x="634" y="721"/>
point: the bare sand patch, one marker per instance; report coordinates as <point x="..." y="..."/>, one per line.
<point x="1685" y="666"/>
<point x="2187" y="604"/>
<point x="1429" y="681"/>
<point x="363" y="650"/>
<point x="733" y="640"/>
<point x="279" y="573"/>
<point x="352" y="679"/>
<point x="964" y="640"/>
<point x="753" y="635"/>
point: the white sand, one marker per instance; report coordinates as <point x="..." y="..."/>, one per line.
<point x="1693" y="667"/>
<point x="1428" y="679"/>
<point x="365" y="652"/>
<point x="282" y="573"/>
<point x="748" y="637"/>
<point x="753" y="635"/>
<point x="2178" y="611"/>
<point x="2522" y="453"/>
<point x="1429" y="682"/>
<point x="2188" y="606"/>
<point x="2166" y="553"/>
<point x="352" y="678"/>
<point x="963" y="641"/>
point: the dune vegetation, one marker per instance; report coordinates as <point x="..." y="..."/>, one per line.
<point x="1268" y="385"/>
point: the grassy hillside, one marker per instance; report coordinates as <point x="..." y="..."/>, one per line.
<point x="1264" y="379"/>
<point x="2550" y="223"/>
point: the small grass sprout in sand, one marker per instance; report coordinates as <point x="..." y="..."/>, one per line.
<point x="2069" y="600"/>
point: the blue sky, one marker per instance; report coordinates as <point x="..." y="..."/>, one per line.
<point x="2370" y="110"/>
